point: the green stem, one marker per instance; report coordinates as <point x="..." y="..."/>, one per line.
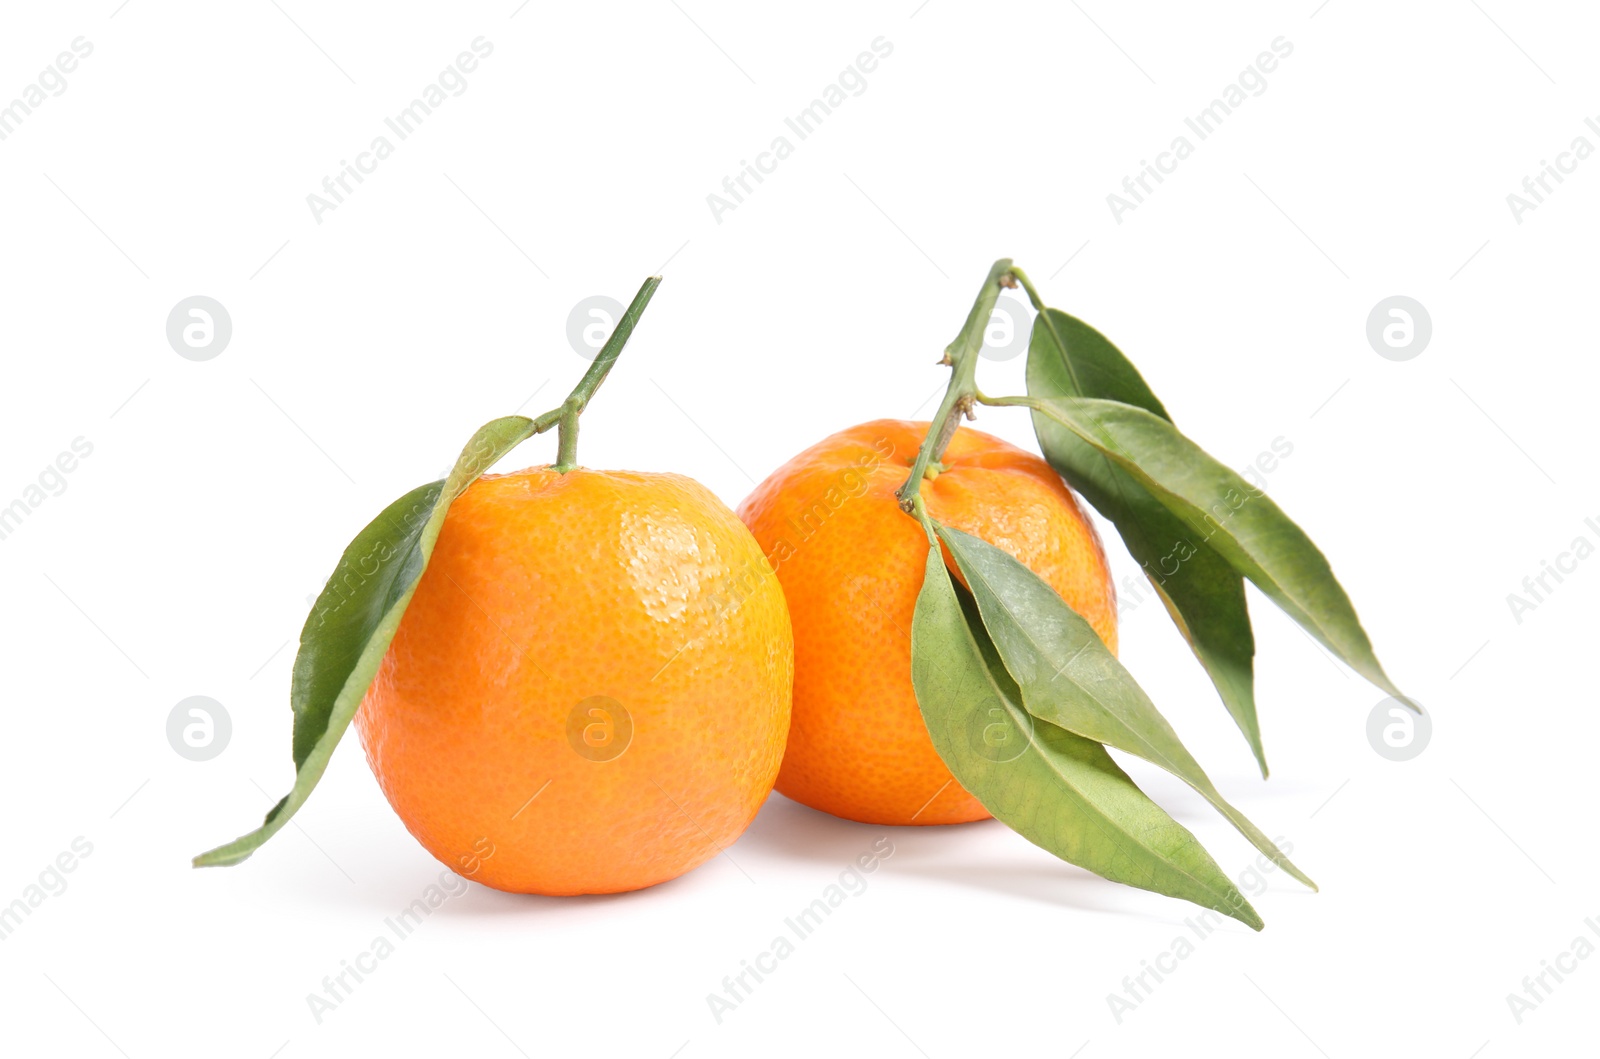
<point x="1027" y="285"/>
<point x="567" y="444"/>
<point x="566" y="414"/>
<point x="1011" y="402"/>
<point x="919" y="511"/>
<point x="1048" y="323"/>
<point x="962" y="393"/>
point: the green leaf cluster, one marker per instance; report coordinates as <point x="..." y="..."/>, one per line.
<point x="1020" y="695"/>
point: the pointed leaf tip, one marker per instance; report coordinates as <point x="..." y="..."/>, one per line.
<point x="1060" y="791"/>
<point x="1068" y="676"/>
<point x="1202" y="594"/>
<point x="355" y="617"/>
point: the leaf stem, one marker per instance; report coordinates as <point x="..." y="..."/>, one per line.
<point x="1027" y="285"/>
<point x="1044" y="319"/>
<point x="962" y="393"/>
<point x="1008" y="402"/>
<point x="566" y="414"/>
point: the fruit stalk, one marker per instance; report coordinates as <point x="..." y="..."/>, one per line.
<point x="962" y="393"/>
<point x="566" y="416"/>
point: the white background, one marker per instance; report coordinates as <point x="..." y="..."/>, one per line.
<point x="366" y="348"/>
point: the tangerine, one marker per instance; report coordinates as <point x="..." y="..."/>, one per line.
<point x="590" y="690"/>
<point x="851" y="564"/>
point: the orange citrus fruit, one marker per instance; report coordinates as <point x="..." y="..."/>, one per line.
<point x="851" y="564"/>
<point x="590" y="690"/>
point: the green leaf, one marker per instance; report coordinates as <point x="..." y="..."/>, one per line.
<point x="355" y="618"/>
<point x="1082" y="362"/>
<point x="1239" y="521"/>
<point x="1071" y="679"/>
<point x="1203" y="594"/>
<point x="1058" y="790"/>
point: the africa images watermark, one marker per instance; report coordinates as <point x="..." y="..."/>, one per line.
<point x="1252" y="81"/>
<point x="852" y="882"/>
<point x="52" y="79"/>
<point x="852" y="81"/>
<point x="339" y="987"/>
<point x="51" y="482"/>
<point x="452" y="81"/>
<point x="354" y="571"/>
<point x="52" y="882"/>
<point x="1537" y="588"/>
<point x="733" y="589"/>
<point x="1132" y="593"/>
<point x="1537" y="188"/>
<point x="1537" y="988"/>
<point x="1137" y="988"/>
<point x="851" y="483"/>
